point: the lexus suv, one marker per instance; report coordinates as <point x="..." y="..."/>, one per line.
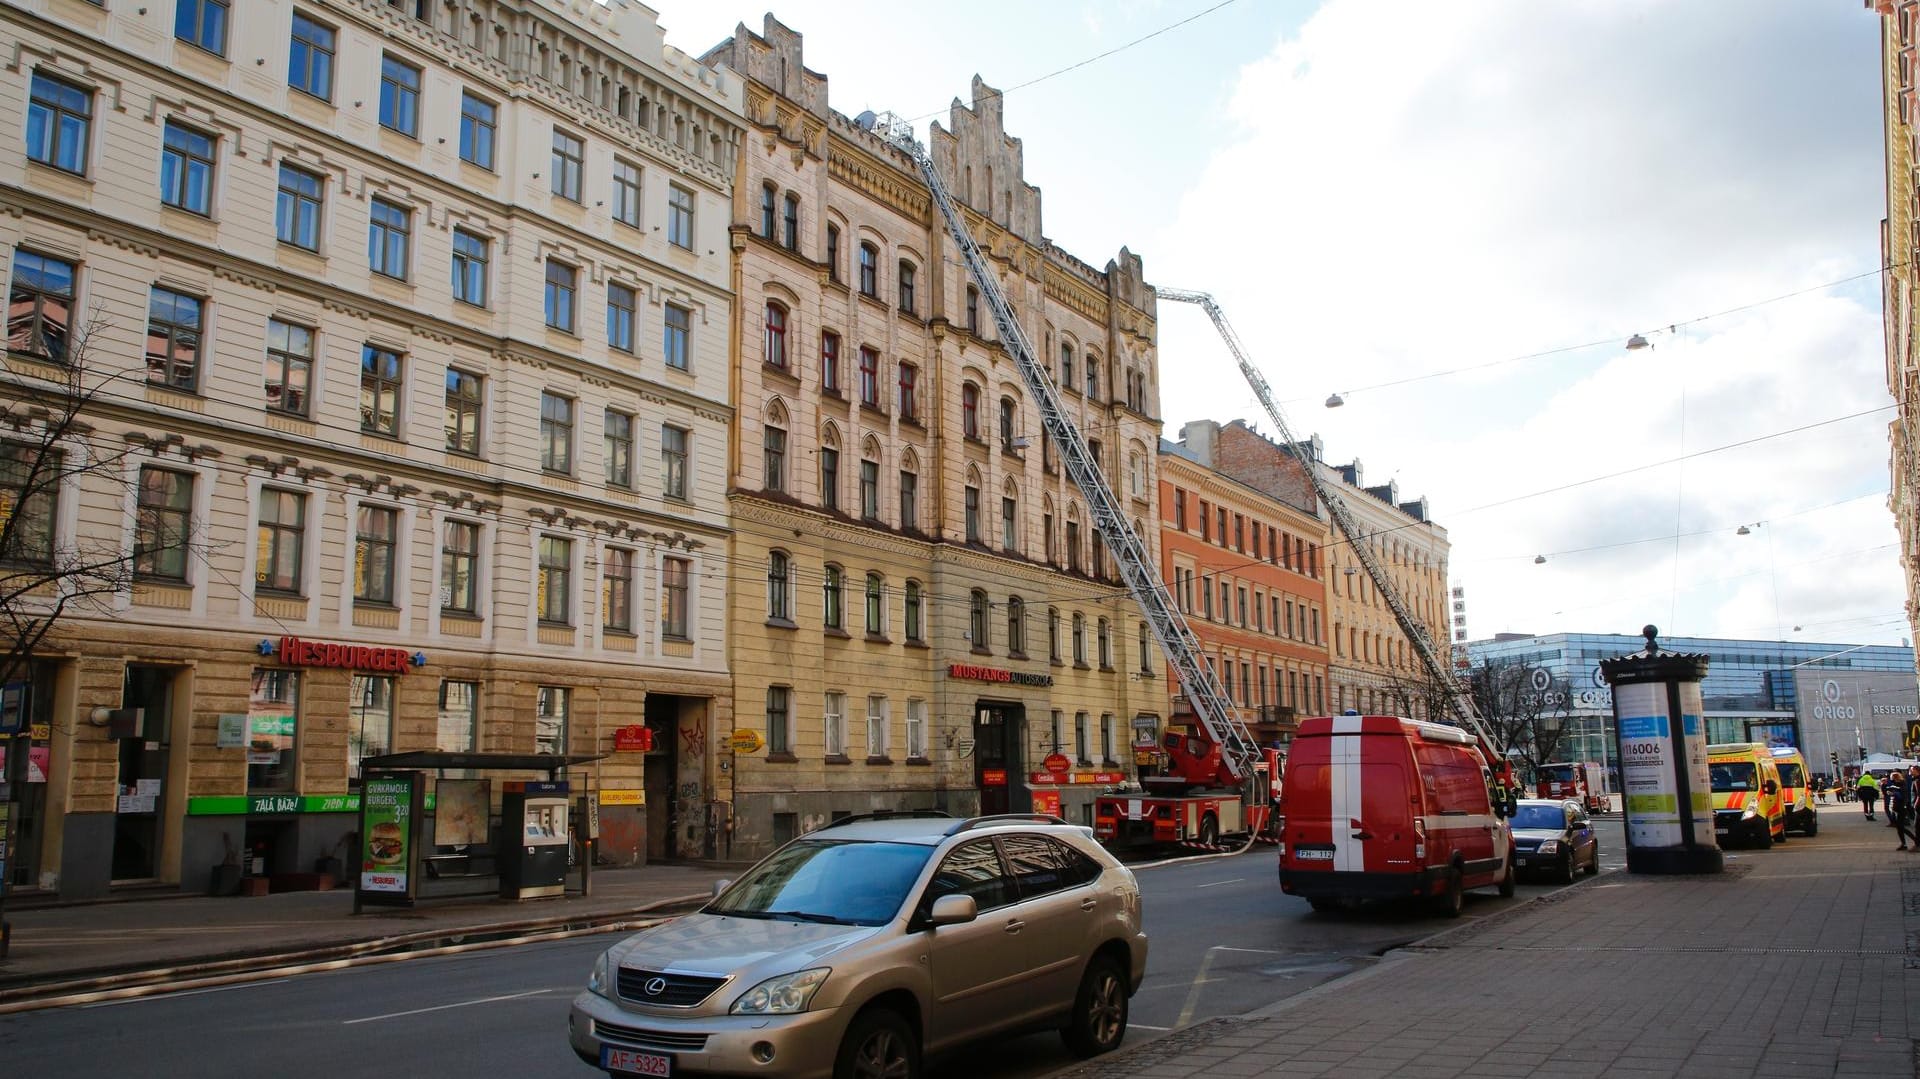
<point x="853" y="950"/>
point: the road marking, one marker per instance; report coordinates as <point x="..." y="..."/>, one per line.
<point x="1143" y="1026"/>
<point x="444" y="1007"/>
<point x="1218" y="883"/>
<point x="184" y="993"/>
<point x="1193" y="994"/>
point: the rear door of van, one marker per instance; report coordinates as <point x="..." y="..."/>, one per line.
<point x="1350" y="799"/>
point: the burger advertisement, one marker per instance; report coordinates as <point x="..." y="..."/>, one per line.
<point x="386" y="811"/>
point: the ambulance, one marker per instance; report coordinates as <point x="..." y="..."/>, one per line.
<point x="1749" y="807"/>
<point x="1379" y="807"/>
<point x="1802" y="817"/>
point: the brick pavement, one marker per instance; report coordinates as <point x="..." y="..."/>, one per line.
<point x="1802" y="961"/>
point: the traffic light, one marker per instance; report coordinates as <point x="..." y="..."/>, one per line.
<point x="1835" y="756"/>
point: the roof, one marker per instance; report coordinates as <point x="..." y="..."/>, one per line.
<point x="516" y="762"/>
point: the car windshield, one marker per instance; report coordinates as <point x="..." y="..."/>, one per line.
<point x="1551" y="817"/>
<point x="1558" y="773"/>
<point x="1734" y="776"/>
<point x="845" y="882"/>
<point x="1790" y="775"/>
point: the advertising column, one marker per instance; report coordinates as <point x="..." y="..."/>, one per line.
<point x="1667" y="803"/>
<point x="391" y="805"/>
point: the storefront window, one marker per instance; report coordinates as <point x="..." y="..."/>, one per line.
<point x="550" y="720"/>
<point x="369" y="721"/>
<point x="459" y="717"/>
<point x="273" y="723"/>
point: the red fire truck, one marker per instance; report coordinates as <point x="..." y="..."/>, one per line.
<point x="1197" y="801"/>
<point x="1578" y="781"/>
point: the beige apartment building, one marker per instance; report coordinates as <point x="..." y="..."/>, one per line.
<point x="921" y="615"/>
<point x="409" y="327"/>
<point x="1899" y="248"/>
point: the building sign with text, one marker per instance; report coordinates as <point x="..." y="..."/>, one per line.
<point x="297" y="652"/>
<point x="994" y="674"/>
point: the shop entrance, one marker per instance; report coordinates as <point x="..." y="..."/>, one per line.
<point x="997" y="727"/>
<point x="661" y="777"/>
<point x="29" y="777"/>
<point x="142" y="774"/>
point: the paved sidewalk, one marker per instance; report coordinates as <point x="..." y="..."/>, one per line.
<point x="1797" y="962"/>
<point x="61" y="943"/>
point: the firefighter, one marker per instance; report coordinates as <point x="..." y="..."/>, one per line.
<point x="1868" y="791"/>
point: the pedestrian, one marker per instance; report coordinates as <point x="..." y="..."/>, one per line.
<point x="1897" y="795"/>
<point x="1868" y="790"/>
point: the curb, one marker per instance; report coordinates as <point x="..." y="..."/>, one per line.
<point x="146" y="981"/>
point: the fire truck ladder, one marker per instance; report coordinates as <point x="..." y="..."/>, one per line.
<point x="1357" y="538"/>
<point x="1203" y="689"/>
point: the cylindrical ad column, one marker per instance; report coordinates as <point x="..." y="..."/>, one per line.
<point x="1667" y="802"/>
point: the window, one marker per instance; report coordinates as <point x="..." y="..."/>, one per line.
<point x="830" y="362"/>
<point x="916" y="729"/>
<point x="616" y="571"/>
<point x="40" y="305"/>
<point x="1093" y="375"/>
<point x="470" y="268"/>
<point x="282" y="540"/>
<point x="674" y="575"/>
<point x="1137" y="474"/>
<point x="289" y="371"/>
<point x="906" y="286"/>
<point x="202" y="23"/>
<point x="478" y="119"/>
<point x="400" y="96"/>
<point x="876" y="605"/>
<point x="1104" y="638"/>
<point x="909" y="400"/>
<point x="389" y="235"/>
<point x="1016" y="626"/>
<point x="1073" y="546"/>
<point x="1006" y="424"/>
<point x="1009" y="525"/>
<point x="380" y="391"/>
<point x="909" y="499"/>
<point x="186" y="169"/>
<point x="769" y="197"/>
<point x="870" y="377"/>
<point x="973" y="310"/>
<point x="1055" y="726"/>
<point x="1053" y="653"/>
<point x="29" y="497"/>
<point x="870" y="490"/>
<point x="626" y="193"/>
<point x="1066" y="366"/>
<point x="555" y="583"/>
<point x="776" y="348"/>
<point x="550" y="719"/>
<point x="673" y="461"/>
<point x="876" y="727"/>
<point x="568" y="161"/>
<point x="273" y="722"/>
<point x="790" y="223"/>
<point x="1206" y="522"/>
<point x="833" y="722"/>
<point x="977" y="620"/>
<point x="833" y="252"/>
<point x="562" y="285"/>
<point x="458" y="729"/>
<point x="779" y="587"/>
<point x="869" y="270"/>
<point x="459" y="560"/>
<point x="1106" y="736"/>
<point x="376" y="529"/>
<point x="1220" y="524"/>
<point x="1146" y="653"/>
<point x="59" y="123"/>
<point x="296" y="215"/>
<point x="464" y="402"/>
<point x="164" y="524"/>
<point x="679" y="216"/>
<point x="620" y="316"/>
<point x="913" y="614"/>
<point x="779" y="733"/>
<point x="310" y="67"/>
<point x="773" y="463"/>
<point x="1079" y="640"/>
<point x="1240" y="599"/>
<point x="1080" y="738"/>
<point x="618" y="430"/>
<point x="970" y="410"/>
<point x="174" y="321"/>
<point x="832" y="594"/>
<point x="1239" y="533"/>
<point x="676" y="327"/>
<point x="973" y="513"/>
<point x="556" y="433"/>
<point x="830" y="478"/>
<point x="1180" y="509"/>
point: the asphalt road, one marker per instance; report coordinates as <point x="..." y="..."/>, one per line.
<point x="1225" y="941"/>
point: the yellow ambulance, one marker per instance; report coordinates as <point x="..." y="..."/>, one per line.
<point x="1749" y="806"/>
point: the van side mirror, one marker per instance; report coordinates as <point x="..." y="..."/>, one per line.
<point x="953" y="910"/>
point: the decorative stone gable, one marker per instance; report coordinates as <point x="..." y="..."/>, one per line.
<point x="985" y="166"/>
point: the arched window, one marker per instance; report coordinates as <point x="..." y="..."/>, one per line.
<point x="1106" y="645"/>
<point x="779" y="587"/>
<point x="869" y="270"/>
<point x="913" y="611"/>
<point x="909" y="491"/>
<point x="876" y="607"/>
<point x="870" y="480"/>
<point x="1093" y="376"/>
<point x="906" y="286"/>
<point x="972" y="506"/>
<point x="1079" y="639"/>
<point x="1006" y="423"/>
<point x="1053" y="634"/>
<point x="776" y="336"/>
<point x="970" y="410"/>
<point x="1010" y="517"/>
<point x="833" y="252"/>
<point x="832" y="612"/>
<point x="973" y="310"/>
<point x="830" y="469"/>
<point x="977" y="620"/>
<point x="1066" y="367"/>
<point x="768" y="196"/>
<point x="1016" y="626"/>
<point x="773" y="449"/>
<point x="790" y="222"/>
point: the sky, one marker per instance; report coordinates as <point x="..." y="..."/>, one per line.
<point x="1407" y="203"/>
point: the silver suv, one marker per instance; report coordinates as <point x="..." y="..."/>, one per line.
<point x="854" y="949"/>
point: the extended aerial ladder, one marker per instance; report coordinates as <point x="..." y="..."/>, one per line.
<point x="1210" y="701"/>
<point x="1357" y="537"/>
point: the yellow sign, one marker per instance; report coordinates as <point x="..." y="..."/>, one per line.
<point x="745" y="741"/>
<point x="623" y="798"/>
<point x="42" y="732"/>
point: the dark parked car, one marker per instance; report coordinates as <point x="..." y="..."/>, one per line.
<point x="1554" y="837"/>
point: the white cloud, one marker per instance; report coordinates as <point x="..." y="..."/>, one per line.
<point x="1418" y="187"/>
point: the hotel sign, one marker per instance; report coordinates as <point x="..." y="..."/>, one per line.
<point x="994" y="674"/>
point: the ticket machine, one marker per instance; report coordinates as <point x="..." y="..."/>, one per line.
<point x="534" y="839"/>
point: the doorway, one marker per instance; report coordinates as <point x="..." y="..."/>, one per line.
<point x="142" y="774"/>
<point x="661" y="777"/>
<point x="997" y="727"/>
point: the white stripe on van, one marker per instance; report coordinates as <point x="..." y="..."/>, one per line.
<point x="1343" y="758"/>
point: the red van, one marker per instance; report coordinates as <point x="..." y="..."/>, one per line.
<point x="1378" y="807"/>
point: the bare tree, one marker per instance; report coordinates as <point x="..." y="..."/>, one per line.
<point x="1530" y="722"/>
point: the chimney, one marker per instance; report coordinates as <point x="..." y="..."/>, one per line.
<point x="1198" y="437"/>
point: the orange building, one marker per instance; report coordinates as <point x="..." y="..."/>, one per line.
<point x="1246" y="569"/>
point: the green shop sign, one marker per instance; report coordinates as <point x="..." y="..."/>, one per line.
<point x="270" y="805"/>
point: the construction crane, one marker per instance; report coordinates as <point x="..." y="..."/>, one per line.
<point x="1211" y="704"/>
<point x="1357" y="538"/>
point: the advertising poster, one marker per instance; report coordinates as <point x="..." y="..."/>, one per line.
<point x="1648" y="775"/>
<point x="232" y="732"/>
<point x="268" y="735"/>
<point x="1047" y="802"/>
<point x="386" y="830"/>
<point x="1772" y="735"/>
<point x="460" y="811"/>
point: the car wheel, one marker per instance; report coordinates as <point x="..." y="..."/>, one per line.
<point x="1775" y="840"/>
<point x="1593" y="860"/>
<point x="1566" y="866"/>
<point x="879" y="1045"/>
<point x="1209" y="830"/>
<point x="1506" y="882"/>
<point x="1099" y="1018"/>
<point x="1813" y="824"/>
<point x="1324" y="906"/>
<point x="1451" y="898"/>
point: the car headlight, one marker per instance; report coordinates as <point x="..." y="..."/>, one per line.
<point x="783" y="995"/>
<point x="598" y="982"/>
<point x="1548" y="846"/>
<point x="1751" y="812"/>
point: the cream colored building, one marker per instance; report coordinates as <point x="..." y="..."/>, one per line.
<point x="482" y="259"/>
<point x="920" y="612"/>
<point x="1899" y="248"/>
